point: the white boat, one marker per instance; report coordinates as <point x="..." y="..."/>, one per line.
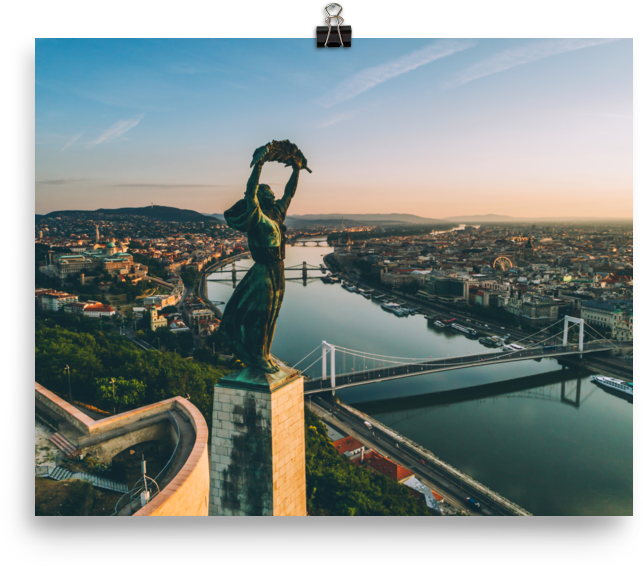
<point x="615" y="384"/>
<point x="439" y="324"/>
<point x="395" y="308"/>
<point x="465" y="330"/>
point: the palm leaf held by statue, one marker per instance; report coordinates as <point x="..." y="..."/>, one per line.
<point x="283" y="151"/>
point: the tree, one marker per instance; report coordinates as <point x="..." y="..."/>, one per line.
<point x="122" y="394"/>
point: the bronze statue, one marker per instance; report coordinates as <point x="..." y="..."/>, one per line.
<point x="248" y="323"/>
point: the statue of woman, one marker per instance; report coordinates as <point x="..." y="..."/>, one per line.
<point x="248" y="323"/>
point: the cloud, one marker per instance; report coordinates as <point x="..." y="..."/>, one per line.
<point x="168" y="185"/>
<point x="73" y="139"/>
<point x="522" y="55"/>
<point x="62" y="181"/>
<point x="336" y="119"/>
<point x="373" y="76"/>
<point x="115" y="130"/>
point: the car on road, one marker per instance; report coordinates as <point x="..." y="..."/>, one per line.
<point x="472" y="503"/>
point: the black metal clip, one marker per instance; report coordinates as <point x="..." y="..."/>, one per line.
<point x="328" y="37"/>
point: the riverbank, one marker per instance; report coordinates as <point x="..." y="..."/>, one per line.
<point x="620" y="368"/>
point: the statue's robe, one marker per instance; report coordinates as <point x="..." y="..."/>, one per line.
<point x="248" y="323"/>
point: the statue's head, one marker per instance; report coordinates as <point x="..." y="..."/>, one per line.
<point x="265" y="196"/>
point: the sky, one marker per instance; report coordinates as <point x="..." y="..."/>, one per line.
<point x="436" y="128"/>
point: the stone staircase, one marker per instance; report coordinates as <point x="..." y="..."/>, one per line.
<point x="101" y="482"/>
<point x="63" y="444"/>
<point x="61" y="473"/>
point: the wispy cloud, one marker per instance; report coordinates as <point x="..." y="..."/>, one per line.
<point x="168" y="185"/>
<point x="73" y="139"/>
<point x="336" y="119"/>
<point x="373" y="76"/>
<point x="69" y="181"/>
<point x="115" y="130"/>
<point x="522" y="55"/>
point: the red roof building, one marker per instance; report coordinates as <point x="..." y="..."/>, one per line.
<point x="385" y="466"/>
<point x="348" y="445"/>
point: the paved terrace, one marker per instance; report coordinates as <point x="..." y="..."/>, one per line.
<point x="185" y="487"/>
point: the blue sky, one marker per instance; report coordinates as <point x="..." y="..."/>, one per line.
<point x="431" y="127"/>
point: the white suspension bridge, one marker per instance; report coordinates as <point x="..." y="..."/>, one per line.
<point x="380" y="368"/>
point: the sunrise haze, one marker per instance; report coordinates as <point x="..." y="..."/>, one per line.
<point x="436" y="128"/>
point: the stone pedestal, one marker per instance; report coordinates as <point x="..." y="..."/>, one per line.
<point x="258" y="455"/>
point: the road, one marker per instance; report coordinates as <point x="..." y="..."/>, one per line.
<point x="452" y="488"/>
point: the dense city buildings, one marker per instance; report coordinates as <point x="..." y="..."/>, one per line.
<point x="535" y="273"/>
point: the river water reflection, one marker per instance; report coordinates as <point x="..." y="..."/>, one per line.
<point x="555" y="444"/>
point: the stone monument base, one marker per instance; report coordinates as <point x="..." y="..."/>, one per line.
<point x="258" y="454"/>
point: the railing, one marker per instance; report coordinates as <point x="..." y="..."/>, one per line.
<point x="82" y="404"/>
<point x="139" y="485"/>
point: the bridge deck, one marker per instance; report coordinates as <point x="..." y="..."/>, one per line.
<point x="442" y="364"/>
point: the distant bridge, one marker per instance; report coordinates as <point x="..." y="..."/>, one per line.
<point x="319" y="241"/>
<point x="304" y="268"/>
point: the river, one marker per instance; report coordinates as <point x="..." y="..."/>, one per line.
<point x="556" y="443"/>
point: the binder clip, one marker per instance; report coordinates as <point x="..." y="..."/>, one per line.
<point x="340" y="37"/>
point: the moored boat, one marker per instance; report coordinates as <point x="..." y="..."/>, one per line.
<point x="614" y="384"/>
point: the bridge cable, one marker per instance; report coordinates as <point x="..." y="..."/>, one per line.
<point x="440" y="362"/>
<point x="307" y="367"/>
<point x="598" y="333"/>
<point x="305" y="357"/>
<point x="393" y="358"/>
<point x="416" y="359"/>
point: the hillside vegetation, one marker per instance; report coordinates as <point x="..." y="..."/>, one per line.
<point x="335" y="487"/>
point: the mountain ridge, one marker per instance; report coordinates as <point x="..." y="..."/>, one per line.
<point x="158" y="212"/>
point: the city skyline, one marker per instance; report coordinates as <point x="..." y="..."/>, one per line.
<point x="437" y="128"/>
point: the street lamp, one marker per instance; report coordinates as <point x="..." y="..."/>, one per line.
<point x="113" y="394"/>
<point x="69" y="379"/>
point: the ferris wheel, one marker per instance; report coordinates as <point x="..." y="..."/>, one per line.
<point x="503" y="263"/>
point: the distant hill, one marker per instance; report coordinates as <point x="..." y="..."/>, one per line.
<point x="483" y="218"/>
<point x="218" y="216"/>
<point x="510" y="219"/>
<point x="375" y="218"/>
<point x="157" y="212"/>
<point x="297" y="222"/>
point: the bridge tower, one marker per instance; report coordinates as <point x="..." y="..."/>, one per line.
<point x="325" y="349"/>
<point x="581" y="332"/>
